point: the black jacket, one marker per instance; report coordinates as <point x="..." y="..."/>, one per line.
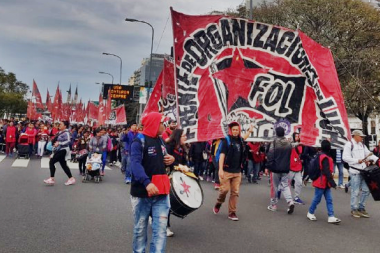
<point x="279" y="156"/>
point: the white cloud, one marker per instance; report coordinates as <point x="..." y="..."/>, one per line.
<point x="63" y="40"/>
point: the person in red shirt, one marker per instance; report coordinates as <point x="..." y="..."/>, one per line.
<point x="172" y="126"/>
<point x="323" y="184"/>
<point x="255" y="157"/>
<point x="295" y="172"/>
<point x="10" y="139"/>
<point x="31" y="132"/>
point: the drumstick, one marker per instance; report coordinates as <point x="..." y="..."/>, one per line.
<point x="367" y="156"/>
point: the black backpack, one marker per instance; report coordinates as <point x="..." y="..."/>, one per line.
<point x="314" y="168"/>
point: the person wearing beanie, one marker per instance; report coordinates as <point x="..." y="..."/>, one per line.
<point x="150" y="185"/>
<point x="323" y="184"/>
<point x="278" y="163"/>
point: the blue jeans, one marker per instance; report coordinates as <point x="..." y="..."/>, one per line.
<point x="124" y="161"/>
<point x="357" y="184"/>
<point x="317" y="198"/>
<point x="340" y="170"/>
<point x="104" y="160"/>
<point x="158" y="207"/>
<point x="128" y="172"/>
<point x="253" y="169"/>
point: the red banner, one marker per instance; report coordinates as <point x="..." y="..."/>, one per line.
<point x="118" y="116"/>
<point x="101" y="113"/>
<point x="230" y="69"/>
<point x="108" y="105"/>
<point x="48" y="101"/>
<point x="163" y="98"/>
<point x="92" y="111"/>
<point x="36" y="98"/>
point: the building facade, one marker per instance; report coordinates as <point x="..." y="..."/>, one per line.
<point x="140" y="77"/>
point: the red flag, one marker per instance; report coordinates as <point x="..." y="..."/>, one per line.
<point x="92" y="111"/>
<point x="56" y="106"/>
<point x="101" y="113"/>
<point x="36" y="97"/>
<point x="108" y="106"/>
<point x="163" y="97"/>
<point x="118" y="116"/>
<point x="48" y="102"/>
<point x="229" y="69"/>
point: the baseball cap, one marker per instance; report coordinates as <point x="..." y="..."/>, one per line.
<point x="358" y="133"/>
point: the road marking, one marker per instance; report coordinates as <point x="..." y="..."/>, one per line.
<point x="45" y="162"/>
<point x="72" y="166"/>
<point x="21" y="163"/>
<point x="2" y="157"/>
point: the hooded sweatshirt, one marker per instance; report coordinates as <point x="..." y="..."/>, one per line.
<point x="147" y="154"/>
<point x="279" y="155"/>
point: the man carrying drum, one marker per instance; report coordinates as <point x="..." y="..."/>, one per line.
<point x="357" y="155"/>
<point x="150" y="184"/>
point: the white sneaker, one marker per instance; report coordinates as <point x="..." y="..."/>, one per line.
<point x="70" y="181"/>
<point x="49" y="181"/>
<point x="201" y="178"/>
<point x="169" y="233"/>
<point x="311" y="217"/>
<point x="150" y="220"/>
<point x="333" y="220"/>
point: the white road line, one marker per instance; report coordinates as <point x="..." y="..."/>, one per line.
<point x="21" y="163"/>
<point x="2" y="157"/>
<point x="45" y="162"/>
<point x="72" y="166"/>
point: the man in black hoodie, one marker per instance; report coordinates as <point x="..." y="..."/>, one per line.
<point x="279" y="165"/>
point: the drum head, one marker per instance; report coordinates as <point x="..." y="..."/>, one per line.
<point x="187" y="189"/>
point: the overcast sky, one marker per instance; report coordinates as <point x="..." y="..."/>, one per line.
<point x="63" y="40"/>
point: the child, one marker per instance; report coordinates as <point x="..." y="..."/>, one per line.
<point x="323" y="185"/>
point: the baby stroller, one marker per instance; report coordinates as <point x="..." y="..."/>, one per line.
<point x="23" y="146"/>
<point x="93" y="166"/>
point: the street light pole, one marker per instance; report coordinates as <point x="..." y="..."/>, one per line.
<point x="121" y="62"/>
<point x="101" y="72"/>
<point x="150" y="61"/>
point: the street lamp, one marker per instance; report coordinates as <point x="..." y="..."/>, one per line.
<point x="121" y="62"/>
<point x="151" y="48"/>
<point x="151" y="51"/>
<point x="101" y="72"/>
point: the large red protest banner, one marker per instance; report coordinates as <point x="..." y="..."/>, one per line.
<point x="163" y="97"/>
<point x="230" y="69"/>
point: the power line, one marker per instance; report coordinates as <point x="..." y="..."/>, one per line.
<point x="162" y="34"/>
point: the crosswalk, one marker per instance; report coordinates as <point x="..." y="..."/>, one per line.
<point x="24" y="163"/>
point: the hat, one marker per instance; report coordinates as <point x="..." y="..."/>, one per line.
<point x="358" y="133"/>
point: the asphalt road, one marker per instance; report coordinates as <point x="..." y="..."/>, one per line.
<point x="98" y="218"/>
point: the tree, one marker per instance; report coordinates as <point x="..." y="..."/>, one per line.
<point x="351" y="29"/>
<point x="12" y="94"/>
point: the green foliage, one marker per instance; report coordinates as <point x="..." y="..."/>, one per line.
<point x="12" y="94"/>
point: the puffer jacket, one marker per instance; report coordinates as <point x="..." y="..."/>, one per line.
<point x="279" y="156"/>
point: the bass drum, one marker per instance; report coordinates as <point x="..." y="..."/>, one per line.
<point x="186" y="194"/>
<point x="371" y="176"/>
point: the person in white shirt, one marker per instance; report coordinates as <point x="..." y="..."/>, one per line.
<point x="354" y="153"/>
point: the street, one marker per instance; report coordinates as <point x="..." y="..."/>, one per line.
<point x="98" y="218"/>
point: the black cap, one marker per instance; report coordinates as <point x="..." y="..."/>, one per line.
<point x="172" y="121"/>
